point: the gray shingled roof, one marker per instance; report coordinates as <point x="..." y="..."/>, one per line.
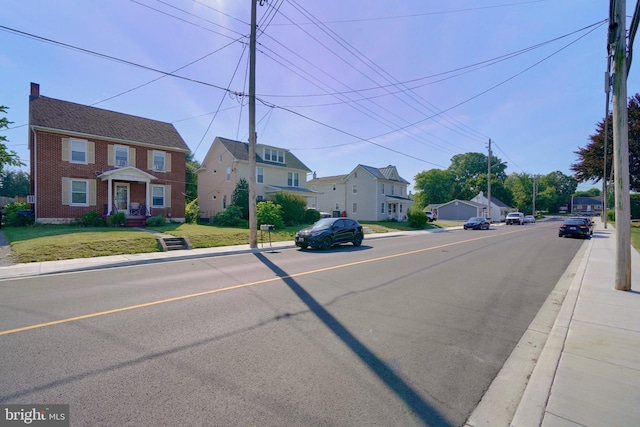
<point x="67" y="116"/>
<point x="240" y="150"/>
<point x="384" y="173"/>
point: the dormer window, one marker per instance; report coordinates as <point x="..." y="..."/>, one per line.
<point x="273" y="155"/>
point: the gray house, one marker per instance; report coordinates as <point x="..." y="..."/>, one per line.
<point x="459" y="210"/>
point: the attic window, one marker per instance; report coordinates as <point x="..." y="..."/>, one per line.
<point x="273" y="155"/>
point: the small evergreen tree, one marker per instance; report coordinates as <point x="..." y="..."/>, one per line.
<point x="240" y="197"/>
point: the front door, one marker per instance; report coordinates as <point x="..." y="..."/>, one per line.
<point x="122" y="196"/>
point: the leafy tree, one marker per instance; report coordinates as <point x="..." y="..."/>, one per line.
<point x="433" y="186"/>
<point x="230" y="217"/>
<point x="468" y="167"/>
<point x="7" y="157"/>
<point x="562" y="185"/>
<point x="269" y="213"/>
<point x="15" y="183"/>
<point x="521" y="188"/>
<point x="591" y="158"/>
<point x="191" y="178"/>
<point x="192" y="212"/>
<point x="240" y="197"/>
<point x="592" y="192"/>
<point x="293" y="207"/>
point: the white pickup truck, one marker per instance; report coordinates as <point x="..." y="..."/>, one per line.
<point x="514" y="218"/>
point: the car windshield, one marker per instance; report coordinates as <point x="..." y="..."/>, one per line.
<point x="323" y="223"/>
<point x="475" y="219"/>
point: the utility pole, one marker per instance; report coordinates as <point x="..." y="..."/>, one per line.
<point x="489" y="216"/>
<point x="617" y="31"/>
<point x="253" y="223"/>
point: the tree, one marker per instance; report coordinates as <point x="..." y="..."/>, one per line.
<point x="521" y="187"/>
<point x="433" y="186"/>
<point x="7" y="157"/>
<point x="468" y="168"/>
<point x="562" y="185"/>
<point x="240" y="197"/>
<point x="191" y="178"/>
<point x="15" y="183"/>
<point x="591" y="158"/>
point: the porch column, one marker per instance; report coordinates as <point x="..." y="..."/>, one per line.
<point x="147" y="197"/>
<point x="109" y="196"/>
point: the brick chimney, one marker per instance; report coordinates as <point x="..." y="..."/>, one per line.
<point x="35" y="91"/>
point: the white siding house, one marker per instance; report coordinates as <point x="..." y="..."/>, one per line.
<point x="365" y="194"/>
<point x="227" y="161"/>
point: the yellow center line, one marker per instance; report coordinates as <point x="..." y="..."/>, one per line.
<point x="239" y="286"/>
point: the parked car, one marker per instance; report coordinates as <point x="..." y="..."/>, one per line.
<point x="327" y="232"/>
<point x="431" y="216"/>
<point x="587" y="221"/>
<point x="574" y="227"/>
<point x="514" y="218"/>
<point x="477" y="223"/>
<point x="529" y="219"/>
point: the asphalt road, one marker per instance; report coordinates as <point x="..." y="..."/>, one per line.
<point x="400" y="331"/>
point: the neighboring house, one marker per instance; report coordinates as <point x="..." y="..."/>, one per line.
<point x="586" y="205"/>
<point x="227" y="161"/>
<point x="365" y="194"/>
<point x="459" y="210"/>
<point x="498" y="209"/>
<point x="86" y="159"/>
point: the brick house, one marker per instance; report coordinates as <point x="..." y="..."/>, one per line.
<point x="86" y="159"/>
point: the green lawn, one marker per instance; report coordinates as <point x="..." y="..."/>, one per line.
<point x="59" y="242"/>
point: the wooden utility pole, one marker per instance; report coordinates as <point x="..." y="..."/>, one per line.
<point x="489" y="216"/>
<point x="621" y="146"/>
<point x="253" y="223"/>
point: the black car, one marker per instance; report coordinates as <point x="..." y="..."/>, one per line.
<point x="574" y="227"/>
<point x="587" y="221"/>
<point x="327" y="232"/>
<point x="477" y="223"/>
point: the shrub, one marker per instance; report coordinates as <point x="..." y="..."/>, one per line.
<point x="293" y="208"/>
<point x="18" y="214"/>
<point x="417" y="219"/>
<point x="311" y="216"/>
<point x="611" y="215"/>
<point x="192" y="212"/>
<point x="269" y="213"/>
<point x="91" y="219"/>
<point x="154" y="221"/>
<point x="230" y="217"/>
<point x="117" y="220"/>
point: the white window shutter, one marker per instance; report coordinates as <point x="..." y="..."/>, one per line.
<point x="91" y="152"/>
<point x="92" y="192"/>
<point x="65" y="191"/>
<point x="65" y="149"/>
<point x="167" y="196"/>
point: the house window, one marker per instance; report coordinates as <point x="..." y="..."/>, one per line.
<point x="260" y="175"/>
<point x="293" y="179"/>
<point x="122" y="155"/>
<point x="382" y="186"/>
<point x="401" y="191"/>
<point x="79" y="192"/>
<point x="381" y="208"/>
<point x="259" y="198"/>
<point x="355" y="175"/>
<point x="354" y="189"/>
<point x="224" y="201"/>
<point x="400" y="208"/>
<point x="393" y="189"/>
<point x="355" y="208"/>
<point x="274" y="155"/>
<point x="220" y="158"/>
<point x="228" y="174"/>
<point x="78" y="149"/>
<point x="158" y="161"/>
<point x="157" y="196"/>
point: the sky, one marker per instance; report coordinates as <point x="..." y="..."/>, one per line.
<point x="339" y="83"/>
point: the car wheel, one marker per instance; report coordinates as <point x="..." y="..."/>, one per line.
<point x="326" y="243"/>
<point x="303" y="247"/>
<point x="357" y="241"/>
